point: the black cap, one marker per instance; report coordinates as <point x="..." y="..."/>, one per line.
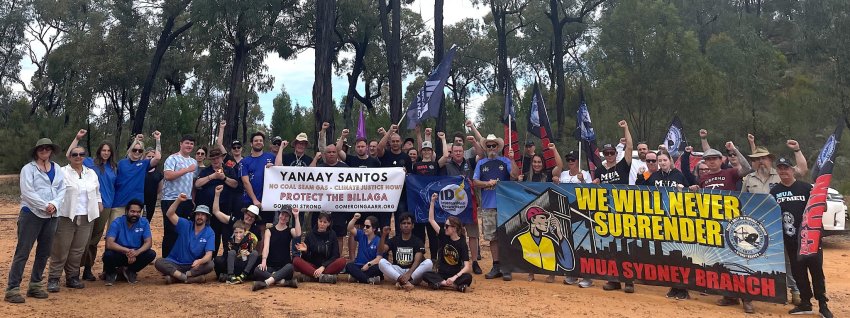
<point x="529" y="143"/>
<point x="236" y="143"/>
<point x="608" y="147"/>
<point x="277" y="140"/>
<point x="410" y="140"/>
<point x="571" y="155"/>
<point x="784" y="162"/>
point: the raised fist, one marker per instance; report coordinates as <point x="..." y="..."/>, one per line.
<point x="385" y="229"/>
<point x="551" y="146"/>
<point x="433" y="197"/>
<point x="470" y="139"/>
<point x="751" y="138"/>
<point x="441" y="135"/>
<point x="356" y="216"/>
<point x="703" y="133"/>
<point x="689" y="149"/>
<point x="140" y="137"/>
<point x="622" y="124"/>
<point x="81" y="133"/>
<point x="182" y="197"/>
<point x="219" y="188"/>
<point x="394" y="128"/>
<point x="793" y="144"/>
<point x="381" y="131"/>
<point x="730" y="145"/>
<point x="427" y="131"/>
<point x="283" y="144"/>
<point x="325" y="125"/>
<point x="345" y="132"/>
<point x="469" y="123"/>
<point x="294" y="211"/>
<point x="156" y="134"/>
<point x="318" y="155"/>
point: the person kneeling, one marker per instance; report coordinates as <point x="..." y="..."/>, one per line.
<point x="409" y="263"/>
<point x="191" y="257"/>
<point x="453" y="256"/>
<point x="128" y="243"/>
<point x="320" y="253"/>
<point x="364" y="268"/>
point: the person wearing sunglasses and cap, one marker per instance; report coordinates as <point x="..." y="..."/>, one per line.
<point x="42" y="194"/>
<point x="488" y="172"/>
<point x="191" y="257"/>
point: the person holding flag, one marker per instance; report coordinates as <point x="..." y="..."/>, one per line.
<point x="585" y="134"/>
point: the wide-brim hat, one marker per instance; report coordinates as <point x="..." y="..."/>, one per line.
<point x="254" y="210"/>
<point x="44" y="142"/>
<point x="203" y="209"/>
<point x="761" y="152"/>
<point x="302" y="137"/>
<point x="492" y="138"/>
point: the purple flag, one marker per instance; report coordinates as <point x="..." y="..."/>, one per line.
<point x="361" y="126"/>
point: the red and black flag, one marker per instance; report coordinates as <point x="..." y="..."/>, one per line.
<point x="584" y="133"/>
<point x="811" y="226"/>
<point x="538" y="125"/>
<point x="511" y="135"/>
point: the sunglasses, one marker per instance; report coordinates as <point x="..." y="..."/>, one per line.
<point x="609" y="153"/>
<point x="78" y="154"/>
<point x="491" y="146"/>
<point x="201" y="154"/>
<point x="571" y="160"/>
<point x="703" y="169"/>
<point x="367" y="226"/>
<point x="43" y="148"/>
<point x="236" y="147"/>
<point x="137" y="150"/>
<point x="651" y="161"/>
<point x="449" y="225"/>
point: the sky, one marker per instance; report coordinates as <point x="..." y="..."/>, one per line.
<point x="297" y="74"/>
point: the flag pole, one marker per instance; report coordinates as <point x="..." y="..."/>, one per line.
<point x="522" y="148"/>
<point x="510" y="135"/>
<point x="578" y="160"/>
<point x="402" y="118"/>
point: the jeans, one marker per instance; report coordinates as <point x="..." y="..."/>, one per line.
<point x="359" y="274"/>
<point x="169" y="235"/>
<point x="69" y="244"/>
<point x="167" y="267"/>
<point x="433" y="278"/>
<point x="278" y="273"/>
<point x="393" y="272"/>
<point x="112" y="260"/>
<point x="31" y="230"/>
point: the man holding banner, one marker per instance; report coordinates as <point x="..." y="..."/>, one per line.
<point x="487" y="175"/>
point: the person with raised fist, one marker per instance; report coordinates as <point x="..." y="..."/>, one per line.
<point x="191" y="257"/>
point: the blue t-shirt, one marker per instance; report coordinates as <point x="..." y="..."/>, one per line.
<point x="183" y="184"/>
<point x="366" y="251"/>
<point x="491" y="169"/>
<point x="130" y="237"/>
<point x="190" y="247"/>
<point x="130" y="182"/>
<point x="106" y="178"/>
<point x="254" y="168"/>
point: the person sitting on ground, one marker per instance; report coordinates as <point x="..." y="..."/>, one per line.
<point x="128" y="245"/>
<point x="364" y="268"/>
<point x="251" y="218"/>
<point x="409" y="262"/>
<point x="453" y="267"/>
<point x="191" y="257"/>
<point x="241" y="246"/>
<point x="276" y="265"/>
<point x="320" y="253"/>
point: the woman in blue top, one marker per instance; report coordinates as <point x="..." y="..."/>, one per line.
<point x="42" y="194"/>
<point x="364" y="268"/>
<point x="103" y="164"/>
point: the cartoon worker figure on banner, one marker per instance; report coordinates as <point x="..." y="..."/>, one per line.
<point x="540" y="246"/>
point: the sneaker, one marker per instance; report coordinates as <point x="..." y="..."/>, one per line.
<point x="507" y="277"/>
<point x="801" y="310"/>
<point x="823" y="309"/>
<point x="795" y="298"/>
<point x="570" y="280"/>
<point x="585" y="283"/>
<point x="727" y="301"/>
<point x="110" y="279"/>
<point x="748" y="307"/>
<point x="53" y="285"/>
<point x="327" y="279"/>
<point x="374" y="280"/>
<point x="74" y="282"/>
<point x="612" y="286"/>
<point x="88" y="275"/>
<point x="630" y="288"/>
<point x="130" y="276"/>
<point x="169" y="279"/>
<point x="530" y="277"/>
<point x="291" y="283"/>
<point x="37" y="293"/>
<point x="434" y="286"/>
<point x="223" y="278"/>
<point x="408" y="286"/>
<point x="236" y="280"/>
<point x="683" y="295"/>
<point x="14" y="297"/>
<point x="672" y="293"/>
<point x="351" y="279"/>
<point x="495" y="272"/>
<point x="550" y="279"/>
<point x="259" y="285"/>
<point x="476" y="269"/>
<point x="461" y="288"/>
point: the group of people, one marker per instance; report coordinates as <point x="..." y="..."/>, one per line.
<point x="217" y="207"/>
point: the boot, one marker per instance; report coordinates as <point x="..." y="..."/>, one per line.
<point x="823" y="309"/>
<point x="53" y="285"/>
<point x="495" y="272"/>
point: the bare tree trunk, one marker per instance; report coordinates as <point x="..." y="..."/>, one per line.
<point x="357" y="69"/>
<point x="234" y="95"/>
<point x="392" y="39"/>
<point x="322" y="89"/>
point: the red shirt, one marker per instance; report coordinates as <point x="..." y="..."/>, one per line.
<point x="725" y="179"/>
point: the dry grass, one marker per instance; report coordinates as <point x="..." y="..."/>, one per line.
<point x="9" y="188"/>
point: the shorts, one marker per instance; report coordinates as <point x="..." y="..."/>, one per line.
<point x="472" y="230"/>
<point x="488" y="218"/>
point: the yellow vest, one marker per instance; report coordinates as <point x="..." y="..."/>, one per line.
<point x="542" y="256"/>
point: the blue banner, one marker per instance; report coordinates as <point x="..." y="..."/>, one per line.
<point x="718" y="242"/>
<point x="454" y="198"/>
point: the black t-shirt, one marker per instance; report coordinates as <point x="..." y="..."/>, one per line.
<point x="429" y="168"/>
<point x="339" y="164"/>
<point x="291" y="159"/>
<point x="465" y="168"/>
<point x="152" y="179"/>
<point x="404" y="252"/>
<point x="356" y="162"/>
<point x="206" y="194"/>
<point x="543" y="176"/>
<point x="231" y="163"/>
<point x="451" y="254"/>
<point x="792" y="200"/>
<point x="395" y="160"/>
<point x="618" y="174"/>
<point x="279" y="247"/>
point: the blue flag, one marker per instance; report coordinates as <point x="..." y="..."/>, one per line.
<point x="427" y="102"/>
<point x="675" y="139"/>
<point x="454" y="197"/>
<point x="584" y="133"/>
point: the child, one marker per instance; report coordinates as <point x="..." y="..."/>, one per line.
<point x="242" y="244"/>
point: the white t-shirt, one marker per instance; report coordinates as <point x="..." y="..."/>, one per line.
<point x="567" y="178"/>
<point x="636" y="165"/>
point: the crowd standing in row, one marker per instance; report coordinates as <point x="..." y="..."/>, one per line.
<point x="65" y="210"/>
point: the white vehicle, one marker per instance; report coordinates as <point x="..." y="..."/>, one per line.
<point x="835" y="215"/>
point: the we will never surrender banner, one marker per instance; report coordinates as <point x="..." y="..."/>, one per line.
<point x="333" y="189"/>
<point x="718" y="242"/>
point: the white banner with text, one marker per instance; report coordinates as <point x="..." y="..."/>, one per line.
<point x="333" y="189"/>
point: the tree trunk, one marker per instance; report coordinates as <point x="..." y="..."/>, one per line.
<point x="240" y="59"/>
<point x="438" y="57"/>
<point x="558" y="63"/>
<point x="357" y="69"/>
<point x="392" y="39"/>
<point x="322" y="90"/>
<point x="499" y="18"/>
